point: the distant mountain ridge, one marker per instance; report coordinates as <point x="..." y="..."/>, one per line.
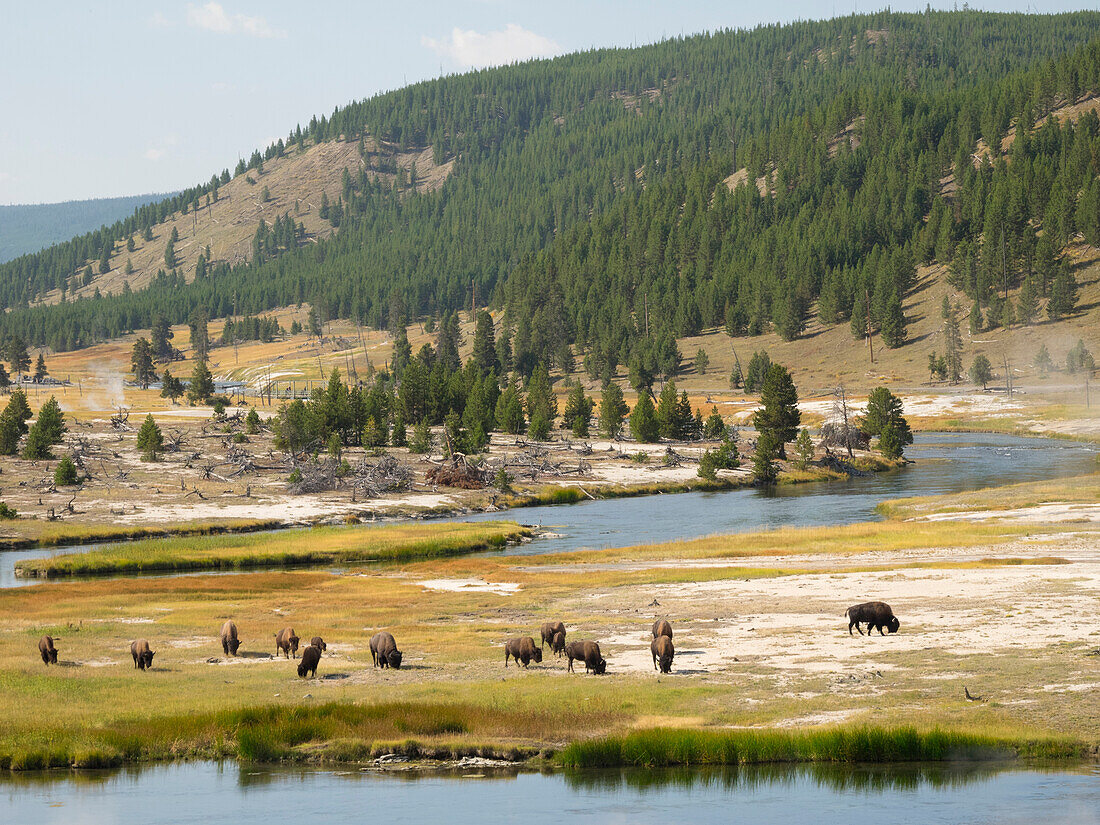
<point x="26" y="228"/>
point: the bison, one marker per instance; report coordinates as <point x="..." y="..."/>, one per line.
<point x="384" y="652"/>
<point x="549" y="629"/>
<point x="318" y="643"/>
<point x="587" y="652"/>
<point x="228" y="635"/>
<point x="557" y="644"/>
<point x="286" y="642"/>
<point x="48" y="651"/>
<point x="143" y="656"/>
<point x="523" y="649"/>
<point x="310" y="657"/>
<point x="662" y="650"/>
<point x="875" y="614"/>
<point x="662" y="628"/>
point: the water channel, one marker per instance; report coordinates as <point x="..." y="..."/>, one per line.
<point x="942" y="463"/>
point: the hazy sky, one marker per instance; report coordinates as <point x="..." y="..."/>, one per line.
<point x="124" y="98"/>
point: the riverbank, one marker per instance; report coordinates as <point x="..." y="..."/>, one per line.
<point x="762" y="646"/>
<point x="319" y="546"/>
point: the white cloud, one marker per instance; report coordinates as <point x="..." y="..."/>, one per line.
<point x="213" y="17"/>
<point x="470" y="48"/>
<point x="158" y="150"/>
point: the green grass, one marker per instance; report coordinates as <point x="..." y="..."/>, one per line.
<point x="1076" y="490"/>
<point x="24" y="533"/>
<point x="317" y="546"/>
<point x="664" y="747"/>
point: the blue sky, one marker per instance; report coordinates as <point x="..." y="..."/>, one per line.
<point x="125" y="97"/>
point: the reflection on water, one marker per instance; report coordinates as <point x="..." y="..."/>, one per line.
<point x="210" y="793"/>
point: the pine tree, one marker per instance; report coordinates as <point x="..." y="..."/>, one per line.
<point x="578" y="411"/>
<point x="171" y="387"/>
<point x="702" y="361"/>
<point x="1043" y="362"/>
<point x="688" y="422"/>
<point x="643" y="420"/>
<point x="65" y="475"/>
<point x="160" y="336"/>
<point x="5" y="379"/>
<point x="893" y="322"/>
<point x="765" y="470"/>
<point x="780" y="416"/>
<point x="485" y="345"/>
<point x="422" y="438"/>
<point x="446" y="343"/>
<point x="1079" y="359"/>
<point x="40" y="371"/>
<point x="540" y="397"/>
<point x="715" y="428"/>
<point x="884" y="418"/>
<point x="150" y="440"/>
<point x="1063" y="294"/>
<point x="668" y="420"/>
<point x="804" y="447"/>
<point x="13" y="422"/>
<point x="1027" y="304"/>
<point x="252" y="422"/>
<point x="141" y="364"/>
<point x="952" y="341"/>
<point x="981" y="371"/>
<point x="51" y="421"/>
<point x="613" y="410"/>
<point x="202" y="383"/>
<point x="16" y="351"/>
<point x="200" y="334"/>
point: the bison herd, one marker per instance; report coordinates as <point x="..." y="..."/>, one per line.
<point x="521" y="649"/>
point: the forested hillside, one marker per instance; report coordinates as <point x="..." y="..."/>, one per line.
<point x="30" y="227"/>
<point x="596" y="196"/>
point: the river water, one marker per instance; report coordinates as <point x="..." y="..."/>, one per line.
<point x="942" y="463"/>
<point x="204" y="793"/>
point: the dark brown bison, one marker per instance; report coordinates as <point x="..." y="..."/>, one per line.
<point x="662" y="650"/>
<point x="875" y="614"/>
<point x="143" y="656"/>
<point x="557" y="644"/>
<point x="286" y="642"/>
<point x="48" y="651"/>
<point x="318" y="643"/>
<point x="228" y="635"/>
<point x="523" y="649"/>
<point x="383" y="650"/>
<point x="587" y="652"/>
<point x="548" y="631"/>
<point x="310" y="657"/>
<point x="662" y="628"/>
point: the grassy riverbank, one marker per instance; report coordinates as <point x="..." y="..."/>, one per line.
<point x="765" y="667"/>
<point x="317" y="546"/>
<point x="1075" y="490"/>
<point x="20" y="534"/>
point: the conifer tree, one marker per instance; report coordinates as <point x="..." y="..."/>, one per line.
<point x="13" y="422"/>
<point x="150" y="440"/>
<point x="171" y="387"/>
<point x="578" y="411"/>
<point x="804" y="448"/>
<point x="668" y="419"/>
<point x="485" y="345"/>
<point x="541" y="401"/>
<point x="643" y="420"/>
<point x="202" y="383"/>
<point x="40" y="371"/>
<point x="141" y="364"/>
<point x="981" y="371"/>
<point x="715" y="428"/>
<point x="765" y="470"/>
<point x="952" y="341"/>
<point x="613" y="410"/>
<point x="1063" y="294"/>
<point x="16" y="351"/>
<point x="780" y="416"/>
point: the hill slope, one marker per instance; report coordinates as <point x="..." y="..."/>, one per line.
<point x="26" y="228"/>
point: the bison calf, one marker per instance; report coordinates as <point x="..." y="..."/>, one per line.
<point x="557" y="644"/>
<point x="663" y="651"/>
<point x="318" y="643"/>
<point x="662" y="628"/>
<point x="875" y="615"/>
<point x="310" y="657"/>
<point x="48" y="651"/>
<point x="549" y="630"/>
<point x="286" y="642"/>
<point x="587" y="652"/>
<point x="384" y="652"/>
<point x="523" y="649"/>
<point x="143" y="656"/>
<point x="228" y="636"/>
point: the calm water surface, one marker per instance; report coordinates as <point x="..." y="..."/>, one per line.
<point x="206" y="793"/>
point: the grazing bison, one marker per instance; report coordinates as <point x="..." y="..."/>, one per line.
<point x="383" y="650"/>
<point x="286" y="642"/>
<point x="523" y="649"/>
<point x="662" y="628"/>
<point x="557" y="644"/>
<point x="143" y="656"/>
<point x="310" y="657"/>
<point x="662" y="650"/>
<point x="228" y="635"/>
<point x="587" y="652"/>
<point x="48" y="651"/>
<point x="548" y="631"/>
<point x="318" y="643"/>
<point x="875" y="614"/>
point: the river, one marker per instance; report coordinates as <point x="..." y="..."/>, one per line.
<point x="203" y="793"/>
<point x="942" y="463"/>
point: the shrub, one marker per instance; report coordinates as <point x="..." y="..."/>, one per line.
<point x="65" y="475"/>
